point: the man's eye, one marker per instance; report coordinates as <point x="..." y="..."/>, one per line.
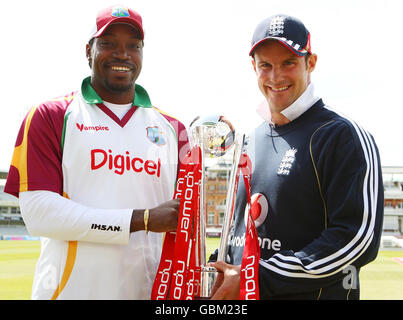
<point x="105" y="44"/>
<point x="135" y="46"/>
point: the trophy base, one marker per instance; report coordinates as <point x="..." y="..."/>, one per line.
<point x="208" y="276"/>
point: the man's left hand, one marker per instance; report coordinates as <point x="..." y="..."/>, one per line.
<point x="228" y="281"/>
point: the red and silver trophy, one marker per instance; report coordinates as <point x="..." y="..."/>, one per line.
<point x="216" y="150"/>
<point x="221" y="149"/>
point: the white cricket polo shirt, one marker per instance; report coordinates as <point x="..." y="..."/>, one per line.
<point x="77" y="147"/>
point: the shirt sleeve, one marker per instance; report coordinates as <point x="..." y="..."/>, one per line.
<point x="48" y="214"/>
<point x="37" y="157"/>
<point x="349" y="176"/>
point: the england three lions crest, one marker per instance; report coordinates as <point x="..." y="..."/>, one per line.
<point x="155" y="135"/>
<point x="287" y="162"/>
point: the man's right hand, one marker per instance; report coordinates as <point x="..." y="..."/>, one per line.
<point x="161" y="219"/>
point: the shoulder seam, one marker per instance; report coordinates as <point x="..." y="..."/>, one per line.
<point x="164" y="113"/>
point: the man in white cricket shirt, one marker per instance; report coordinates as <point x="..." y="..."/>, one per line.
<point x="95" y="173"/>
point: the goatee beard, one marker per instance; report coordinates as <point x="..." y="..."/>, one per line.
<point x="118" y="88"/>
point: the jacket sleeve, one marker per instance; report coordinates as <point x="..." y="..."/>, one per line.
<point x="348" y="173"/>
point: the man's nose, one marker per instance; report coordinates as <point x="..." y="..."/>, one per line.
<point x="121" y="52"/>
<point x="275" y="74"/>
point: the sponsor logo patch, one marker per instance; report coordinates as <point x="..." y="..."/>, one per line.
<point x="105" y="227"/>
<point x="121" y="163"/>
<point x="82" y="127"/>
<point x="264" y="243"/>
<point x="259" y="210"/>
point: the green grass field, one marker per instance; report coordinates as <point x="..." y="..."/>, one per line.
<point x="380" y="280"/>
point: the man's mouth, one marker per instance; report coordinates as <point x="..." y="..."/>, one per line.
<point x="279" y="89"/>
<point x="120" y="68"/>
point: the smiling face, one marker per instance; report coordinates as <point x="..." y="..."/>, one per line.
<point x="282" y="76"/>
<point x="116" y="60"/>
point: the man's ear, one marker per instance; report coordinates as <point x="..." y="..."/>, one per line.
<point x="88" y="54"/>
<point x="311" y="63"/>
<point x="254" y="64"/>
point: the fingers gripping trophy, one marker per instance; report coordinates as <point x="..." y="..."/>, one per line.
<point x="183" y="272"/>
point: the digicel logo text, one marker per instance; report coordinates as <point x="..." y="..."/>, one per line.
<point x="120" y="163"/>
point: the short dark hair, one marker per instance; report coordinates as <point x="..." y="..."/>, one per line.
<point x="91" y="42"/>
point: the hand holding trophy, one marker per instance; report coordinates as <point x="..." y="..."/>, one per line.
<point x="183" y="272"/>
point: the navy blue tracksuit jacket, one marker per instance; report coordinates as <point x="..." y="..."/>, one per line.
<point x="318" y="205"/>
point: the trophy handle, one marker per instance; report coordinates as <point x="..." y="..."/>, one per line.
<point x="202" y="222"/>
<point x="230" y="203"/>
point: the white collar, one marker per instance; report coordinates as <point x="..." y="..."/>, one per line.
<point x="292" y="112"/>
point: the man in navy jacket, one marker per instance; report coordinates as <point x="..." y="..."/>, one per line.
<point x="317" y="191"/>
